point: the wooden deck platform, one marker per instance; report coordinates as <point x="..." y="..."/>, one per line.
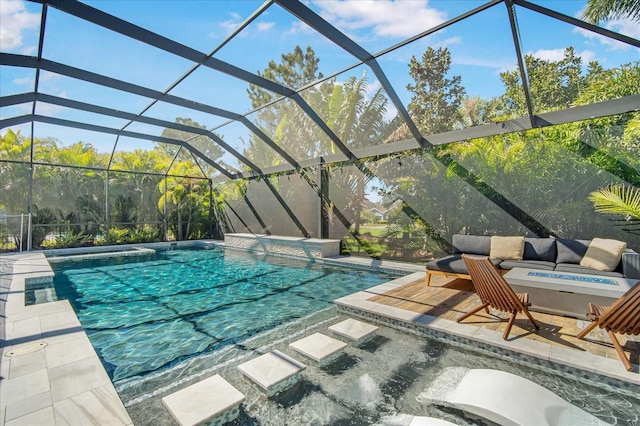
<point x="449" y="298"/>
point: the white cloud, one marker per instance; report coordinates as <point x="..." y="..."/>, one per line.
<point x="387" y="18"/>
<point x="49" y="109"/>
<point x="14" y="20"/>
<point x="554" y="55"/>
<point x="229" y="26"/>
<point x="232" y="24"/>
<point x="299" y="27"/>
<point x="265" y="26"/>
<point x="24" y="81"/>
<point x="621" y="26"/>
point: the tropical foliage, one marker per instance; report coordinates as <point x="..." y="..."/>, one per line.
<point x="75" y="202"/>
<point x="537" y="182"/>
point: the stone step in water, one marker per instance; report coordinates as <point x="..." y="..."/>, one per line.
<point x="213" y="401"/>
<point x="354" y="331"/>
<point x="319" y="348"/>
<point x="272" y="372"/>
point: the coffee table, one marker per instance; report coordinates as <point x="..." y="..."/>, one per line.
<point x="565" y="293"/>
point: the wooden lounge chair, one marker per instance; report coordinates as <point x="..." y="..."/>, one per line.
<point x="495" y="292"/>
<point x="622" y="317"/>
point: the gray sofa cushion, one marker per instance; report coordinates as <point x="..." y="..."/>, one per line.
<point x="452" y="263"/>
<point x="577" y="269"/>
<point x="571" y="251"/>
<point x="471" y="244"/>
<point x="540" y="249"/>
<point x="529" y="264"/>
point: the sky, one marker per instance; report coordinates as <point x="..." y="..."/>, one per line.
<point x="481" y="48"/>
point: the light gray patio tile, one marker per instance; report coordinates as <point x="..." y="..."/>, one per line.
<point x="64" y="336"/>
<point x="25" y="313"/>
<point x="209" y="399"/>
<point x="25" y="386"/>
<point x="24" y="330"/>
<point x="611" y="367"/>
<point x="41" y="417"/>
<point x="70" y="351"/>
<point x="31" y="360"/>
<point x="272" y="371"/>
<point x="433" y="323"/>
<point x="531" y="347"/>
<point x="28" y="405"/>
<point x="396" y="313"/>
<point x="99" y="406"/>
<point x="354" y="330"/>
<point x="54" y="307"/>
<point x="5" y="363"/>
<point x="461" y="330"/>
<point x="318" y="347"/>
<point x="66" y="319"/>
<point x="76" y="377"/>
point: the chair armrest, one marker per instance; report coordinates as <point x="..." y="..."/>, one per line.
<point x="631" y="264"/>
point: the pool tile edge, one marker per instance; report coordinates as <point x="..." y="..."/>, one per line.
<point x="56" y="321"/>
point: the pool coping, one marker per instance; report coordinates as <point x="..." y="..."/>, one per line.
<point x="50" y="372"/>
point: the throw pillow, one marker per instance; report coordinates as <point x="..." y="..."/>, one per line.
<point x="507" y="248"/>
<point x="603" y="254"/>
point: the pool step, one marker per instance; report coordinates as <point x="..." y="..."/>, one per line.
<point x="213" y="401"/>
<point x="273" y="372"/>
<point x="354" y="331"/>
<point x="319" y="348"/>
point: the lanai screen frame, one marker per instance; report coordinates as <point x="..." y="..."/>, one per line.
<point x="302" y="12"/>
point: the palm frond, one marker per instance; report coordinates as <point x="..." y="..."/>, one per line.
<point x="617" y="199"/>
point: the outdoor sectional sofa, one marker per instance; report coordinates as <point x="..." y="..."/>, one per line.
<point x="551" y="254"/>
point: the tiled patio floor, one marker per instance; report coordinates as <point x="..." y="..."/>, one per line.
<point x="449" y="298"/>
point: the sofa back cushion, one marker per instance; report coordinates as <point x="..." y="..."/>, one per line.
<point x="571" y="251"/>
<point x="540" y="249"/>
<point x="506" y="248"/>
<point x="603" y="254"/>
<point x="471" y="244"/>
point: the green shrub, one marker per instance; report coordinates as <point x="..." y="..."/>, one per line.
<point x="69" y="240"/>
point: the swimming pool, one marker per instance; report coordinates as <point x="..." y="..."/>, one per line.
<point x="146" y="313"/>
<point x="375" y="384"/>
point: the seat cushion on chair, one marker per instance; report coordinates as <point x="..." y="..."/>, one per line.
<point x="453" y="264"/>
<point x="603" y="254"/>
<point x="577" y="269"/>
<point x="471" y="244"/>
<point x="529" y="264"/>
<point x="571" y="251"/>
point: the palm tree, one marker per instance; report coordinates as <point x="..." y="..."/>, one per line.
<point x="357" y="117"/>
<point x="601" y="10"/>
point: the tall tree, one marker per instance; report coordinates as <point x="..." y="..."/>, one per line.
<point x="358" y="119"/>
<point x="436" y="98"/>
<point x="296" y="70"/>
<point x="284" y="122"/>
<point x="554" y="84"/>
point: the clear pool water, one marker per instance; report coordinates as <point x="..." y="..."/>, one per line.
<point x="150" y="312"/>
<point x="378" y="383"/>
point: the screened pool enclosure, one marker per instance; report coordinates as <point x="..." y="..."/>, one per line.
<point x="388" y="125"/>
